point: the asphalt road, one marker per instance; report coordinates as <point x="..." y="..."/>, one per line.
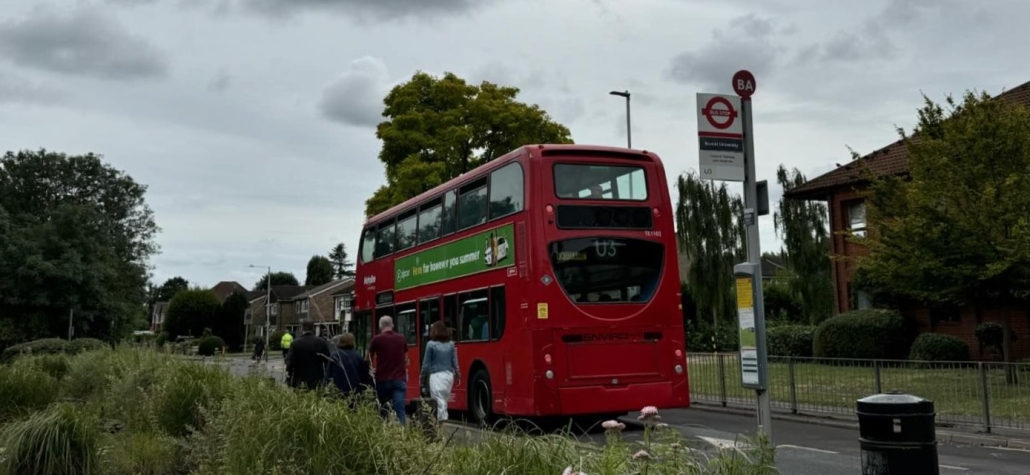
<point x="809" y="449"/>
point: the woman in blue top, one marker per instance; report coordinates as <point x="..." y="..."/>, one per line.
<point x="440" y="367"/>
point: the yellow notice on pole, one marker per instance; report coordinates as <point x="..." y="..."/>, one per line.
<point x="744" y="297"/>
<point x="541" y="311"/>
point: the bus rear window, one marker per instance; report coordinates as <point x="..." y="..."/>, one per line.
<point x="607" y="270"/>
<point x="600" y="182"/>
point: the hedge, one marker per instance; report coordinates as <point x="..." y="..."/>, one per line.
<point x="791" y="340"/>
<point x="210" y="345"/>
<point x="863" y="334"/>
<point x="46" y="346"/>
<point x="939" y="347"/>
<point x="80" y="345"/>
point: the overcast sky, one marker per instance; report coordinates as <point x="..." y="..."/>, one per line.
<point x="252" y="121"/>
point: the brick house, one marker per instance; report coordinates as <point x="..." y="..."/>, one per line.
<point x="282" y="310"/>
<point x="840" y="189"/>
<point x="157" y="316"/>
<point x="321" y="304"/>
<point x="224" y="289"/>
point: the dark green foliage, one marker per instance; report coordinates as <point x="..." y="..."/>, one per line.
<point x="806" y="244"/>
<point x="229" y="324"/>
<point x="24" y="389"/>
<point x="190" y="311"/>
<point x="58" y="441"/>
<point x="438" y="128"/>
<point x="275" y="341"/>
<point x="189" y="389"/>
<point x="782" y="303"/>
<point x="711" y="232"/>
<point x="77" y="235"/>
<point x="161" y="339"/>
<point x="704" y="337"/>
<point x="791" y="340"/>
<point x="863" y="334"/>
<point x="278" y="278"/>
<point x="342" y="267"/>
<point x="46" y="346"/>
<point x="78" y="345"/>
<point x="210" y="346"/>
<point x="320" y="271"/>
<point x="56" y="366"/>
<point x="939" y="347"/>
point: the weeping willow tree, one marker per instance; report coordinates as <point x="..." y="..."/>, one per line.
<point x="710" y="230"/>
<point x="806" y="246"/>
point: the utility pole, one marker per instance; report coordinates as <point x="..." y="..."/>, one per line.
<point x="71" y="329"/>
<point x="268" y="308"/>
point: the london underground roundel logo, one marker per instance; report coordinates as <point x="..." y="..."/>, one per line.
<point x="719" y="112"/>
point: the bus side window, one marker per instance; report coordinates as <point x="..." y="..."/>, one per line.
<point x="448" y="216"/>
<point x="497" y="312"/>
<point x="368" y="245"/>
<point x="474" y="315"/>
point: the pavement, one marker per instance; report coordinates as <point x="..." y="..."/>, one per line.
<point x="804" y="448"/>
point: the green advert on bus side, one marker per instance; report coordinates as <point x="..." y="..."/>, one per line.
<point x="491" y="249"/>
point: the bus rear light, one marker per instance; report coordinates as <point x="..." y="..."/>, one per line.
<point x="679" y="353"/>
<point x="549" y="209"/>
<point x="549" y="374"/>
<point x="547" y="358"/>
<point x="679" y="369"/>
<point x="657" y="212"/>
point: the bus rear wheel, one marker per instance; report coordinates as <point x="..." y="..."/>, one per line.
<point x="480" y="397"/>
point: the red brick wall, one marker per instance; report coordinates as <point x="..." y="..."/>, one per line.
<point x="1018" y="319"/>
<point x="842" y="251"/>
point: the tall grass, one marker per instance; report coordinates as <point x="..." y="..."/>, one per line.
<point x="135" y="411"/>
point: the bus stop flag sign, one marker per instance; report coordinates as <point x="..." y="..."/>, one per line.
<point x="720" y="133"/>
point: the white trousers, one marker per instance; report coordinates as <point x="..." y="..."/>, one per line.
<point x="440" y="384"/>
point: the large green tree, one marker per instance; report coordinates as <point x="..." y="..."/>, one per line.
<point x="77" y="236"/>
<point x="190" y="312"/>
<point x="342" y="267"/>
<point x="956" y="230"/>
<point x="230" y="324"/>
<point x="320" y="271"/>
<point x="278" y="278"/>
<point x="806" y="245"/>
<point x="439" y="128"/>
<point x="710" y="230"/>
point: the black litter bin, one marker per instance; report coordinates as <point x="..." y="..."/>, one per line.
<point x="897" y="435"/>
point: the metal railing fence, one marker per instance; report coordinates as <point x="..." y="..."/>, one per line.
<point x="985" y="394"/>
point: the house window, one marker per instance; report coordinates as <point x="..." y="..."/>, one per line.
<point x="275" y="309"/>
<point x="856" y="218"/>
<point x="945" y="314"/>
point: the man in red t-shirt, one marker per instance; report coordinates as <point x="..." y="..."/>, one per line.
<point x="389" y="351"/>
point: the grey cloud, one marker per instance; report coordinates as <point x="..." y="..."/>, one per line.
<point x="366" y="9"/>
<point x="356" y="97"/>
<point x="748" y="42"/>
<point x="220" y="83"/>
<point x="85" y="41"/>
<point x="16" y="90"/>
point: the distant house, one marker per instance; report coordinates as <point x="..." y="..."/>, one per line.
<point x="282" y="309"/>
<point x="157" y="316"/>
<point x="320" y="304"/>
<point x="841" y="188"/>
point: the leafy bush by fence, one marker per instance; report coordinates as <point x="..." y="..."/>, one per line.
<point x="791" y="340"/>
<point x="210" y="345"/>
<point x="939" y="347"/>
<point x="863" y="334"/>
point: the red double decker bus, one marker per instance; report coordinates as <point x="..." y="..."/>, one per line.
<point x="556" y="268"/>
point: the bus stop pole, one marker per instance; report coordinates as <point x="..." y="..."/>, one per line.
<point x="754" y="256"/>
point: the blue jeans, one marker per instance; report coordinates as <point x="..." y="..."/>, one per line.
<point x="392" y="392"/>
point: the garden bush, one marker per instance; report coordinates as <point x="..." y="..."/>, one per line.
<point x="46" y="346"/>
<point x="80" y="345"/>
<point x="863" y="334"/>
<point x="210" y="346"/>
<point x="939" y="347"/>
<point x="791" y="340"/>
<point x="24" y="389"/>
<point x="61" y="440"/>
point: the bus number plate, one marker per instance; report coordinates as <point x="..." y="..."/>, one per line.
<point x="653" y="233"/>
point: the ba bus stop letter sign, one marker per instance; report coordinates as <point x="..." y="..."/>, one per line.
<point x="720" y="133"/>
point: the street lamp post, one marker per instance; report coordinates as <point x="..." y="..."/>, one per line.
<point x="268" y="307"/>
<point x="629" y="134"/>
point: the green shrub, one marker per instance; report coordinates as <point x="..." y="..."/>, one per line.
<point x="704" y="337"/>
<point x="24" y="389"/>
<point x="63" y="440"/>
<point x="791" y="340"/>
<point x="161" y="339"/>
<point x="863" y="334"/>
<point x="80" y="345"/>
<point x="143" y="453"/>
<point x="210" y="346"/>
<point x="46" y="346"/>
<point x="275" y="342"/>
<point x="56" y="366"/>
<point x="190" y="389"/>
<point x="939" y="347"/>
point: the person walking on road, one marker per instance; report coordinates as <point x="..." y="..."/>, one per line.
<point x="285" y="342"/>
<point x="305" y="362"/>
<point x="389" y="351"/>
<point x="440" y="367"/>
<point x="347" y="369"/>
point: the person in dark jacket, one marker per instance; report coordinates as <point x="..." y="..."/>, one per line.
<point x="347" y="369"/>
<point x="305" y="362"/>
